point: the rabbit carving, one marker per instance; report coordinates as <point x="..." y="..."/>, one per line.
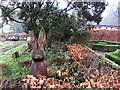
<point x="37" y="53"/>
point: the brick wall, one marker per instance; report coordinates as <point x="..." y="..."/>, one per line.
<point x="109" y="35"/>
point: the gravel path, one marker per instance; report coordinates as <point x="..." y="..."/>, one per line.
<point x="7" y="45"/>
<point x="101" y="53"/>
<point x="108" y="60"/>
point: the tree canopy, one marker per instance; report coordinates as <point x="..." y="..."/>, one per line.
<point x="49" y="17"/>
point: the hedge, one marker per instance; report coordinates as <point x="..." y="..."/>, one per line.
<point x="105" y="48"/>
<point x="113" y="43"/>
<point x="112" y="57"/>
<point x="107" y="42"/>
<point x="97" y="41"/>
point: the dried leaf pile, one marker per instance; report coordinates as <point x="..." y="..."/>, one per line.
<point x="83" y="70"/>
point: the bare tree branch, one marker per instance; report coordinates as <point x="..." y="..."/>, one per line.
<point x="14" y="19"/>
<point x="65" y="9"/>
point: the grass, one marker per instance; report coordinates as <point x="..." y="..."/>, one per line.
<point x="13" y="69"/>
<point x="19" y="48"/>
<point x="8" y="53"/>
<point x="25" y="56"/>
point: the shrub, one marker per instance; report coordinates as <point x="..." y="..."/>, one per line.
<point x="105" y="48"/>
<point x="112" y="57"/>
<point x="113" y="43"/>
<point x="81" y="38"/>
<point x="107" y="42"/>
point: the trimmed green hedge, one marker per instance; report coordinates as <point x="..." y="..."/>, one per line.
<point x="106" y="46"/>
<point x="107" y="42"/>
<point x="113" y="43"/>
<point x="113" y="56"/>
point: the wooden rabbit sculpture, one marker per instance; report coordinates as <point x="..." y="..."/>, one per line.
<point x="29" y="40"/>
<point x="38" y="66"/>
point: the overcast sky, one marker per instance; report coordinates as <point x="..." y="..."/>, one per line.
<point x="110" y="15"/>
<point x="112" y="5"/>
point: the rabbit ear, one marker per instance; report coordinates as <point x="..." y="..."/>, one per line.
<point x="41" y="40"/>
<point x="34" y="42"/>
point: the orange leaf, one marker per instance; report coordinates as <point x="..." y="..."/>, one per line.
<point x="92" y="83"/>
<point x="116" y="86"/>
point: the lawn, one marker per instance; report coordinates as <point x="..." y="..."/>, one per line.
<point x="11" y="68"/>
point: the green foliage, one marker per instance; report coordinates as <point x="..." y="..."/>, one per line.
<point x="103" y="43"/>
<point x="24" y="57"/>
<point x="13" y="69"/>
<point x="60" y="29"/>
<point x="106" y="46"/>
<point x="56" y="52"/>
<point x="106" y="42"/>
<point x="86" y="7"/>
<point x="19" y="48"/>
<point x="113" y="43"/>
<point x="81" y="38"/>
<point x="114" y="56"/>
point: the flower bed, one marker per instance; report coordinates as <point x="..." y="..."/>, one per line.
<point x="83" y="70"/>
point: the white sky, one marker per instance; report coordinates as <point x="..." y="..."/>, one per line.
<point x="110" y="15"/>
<point x="111" y="5"/>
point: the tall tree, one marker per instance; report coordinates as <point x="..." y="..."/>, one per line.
<point x="47" y="16"/>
